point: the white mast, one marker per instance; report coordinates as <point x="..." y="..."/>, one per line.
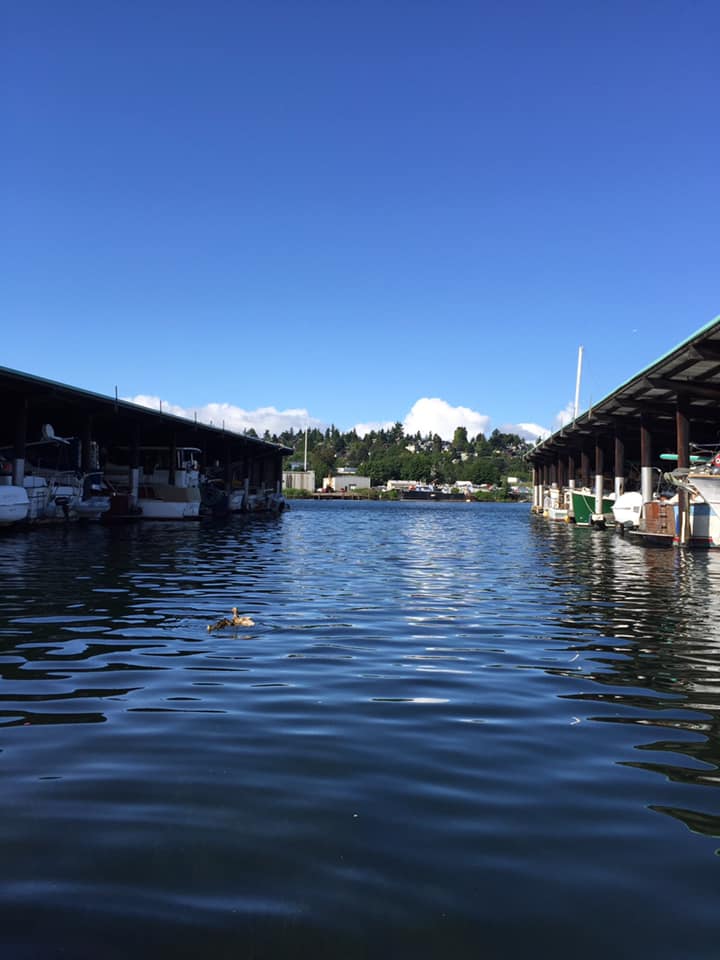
<point x="577" y="384"/>
<point x="306" y="435"/>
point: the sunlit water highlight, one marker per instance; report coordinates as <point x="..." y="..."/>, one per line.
<point x="455" y="730"/>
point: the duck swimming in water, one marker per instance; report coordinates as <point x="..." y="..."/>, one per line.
<point x="234" y="621"/>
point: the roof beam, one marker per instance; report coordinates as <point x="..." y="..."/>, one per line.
<point x="690" y="388"/>
<point x="705" y="351"/>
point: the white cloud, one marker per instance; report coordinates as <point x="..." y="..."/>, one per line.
<point x="528" y="431"/>
<point x="433" y="415"/>
<point x="428" y="415"/>
<point x="361" y="429"/>
<point x="235" y="418"/>
<point x="533" y="431"/>
<point x="565" y="415"/>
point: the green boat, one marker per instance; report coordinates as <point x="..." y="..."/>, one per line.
<point x="583" y="506"/>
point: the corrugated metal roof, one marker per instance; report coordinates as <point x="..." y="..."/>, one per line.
<point x="47" y="393"/>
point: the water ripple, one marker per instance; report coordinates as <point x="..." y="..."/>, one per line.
<point x="451" y="724"/>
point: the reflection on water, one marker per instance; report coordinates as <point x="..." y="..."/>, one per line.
<point x="451" y="725"/>
<point x="656" y="611"/>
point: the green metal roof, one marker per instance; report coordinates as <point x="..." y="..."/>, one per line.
<point x="690" y="370"/>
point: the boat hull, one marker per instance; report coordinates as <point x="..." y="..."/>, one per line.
<point x="583" y="507"/>
<point x="627" y="509"/>
<point x="708" y="486"/>
<point x="661" y="524"/>
<point x="163" y="501"/>
<point x="169" y="511"/>
<point x="14" y="505"/>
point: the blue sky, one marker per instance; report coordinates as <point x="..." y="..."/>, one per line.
<point x="331" y="211"/>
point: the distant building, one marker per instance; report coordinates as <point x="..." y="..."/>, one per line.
<point x="299" y="480"/>
<point x="402" y="485"/>
<point x="346" y="482"/>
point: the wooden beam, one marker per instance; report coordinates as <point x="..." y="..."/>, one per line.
<point x="689" y="388"/>
<point x="665" y="409"/>
<point x="705" y="351"/>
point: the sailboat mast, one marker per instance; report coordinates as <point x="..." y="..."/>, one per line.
<point x="577" y="384"/>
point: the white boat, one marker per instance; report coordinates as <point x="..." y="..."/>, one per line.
<point x="53" y="484"/>
<point x="165" y="494"/>
<point x="555" y="506"/>
<point x="627" y="509"/>
<point x="166" y="490"/>
<point x="265" y="501"/>
<point x="14" y="505"/>
<point x="65" y="495"/>
<point x="217" y="499"/>
<point x="95" y="498"/>
<point x="702" y="481"/>
<point x="707" y="485"/>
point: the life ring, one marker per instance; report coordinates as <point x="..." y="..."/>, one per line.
<point x="6" y="468"/>
<point x="716" y="460"/>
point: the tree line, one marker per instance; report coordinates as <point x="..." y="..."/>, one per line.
<point x="390" y="454"/>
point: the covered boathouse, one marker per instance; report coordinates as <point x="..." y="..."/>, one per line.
<point x="667" y="409"/>
<point x="33" y="408"/>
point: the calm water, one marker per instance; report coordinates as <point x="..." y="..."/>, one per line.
<point x="455" y="731"/>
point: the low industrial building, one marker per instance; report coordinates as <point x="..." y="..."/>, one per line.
<point x="346" y="483"/>
<point x="299" y="480"/>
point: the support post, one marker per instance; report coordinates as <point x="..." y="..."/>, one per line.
<point x="584" y="469"/>
<point x="173" y="459"/>
<point x="227" y="453"/>
<point x="619" y="465"/>
<point x="646" y="477"/>
<point x="86" y="458"/>
<point x="134" y="469"/>
<point x="19" y="451"/>
<point x="541" y="489"/>
<point x="682" y="423"/>
<point x="599" y="466"/>
<point x="572" y="469"/>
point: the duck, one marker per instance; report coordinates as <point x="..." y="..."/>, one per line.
<point x="234" y="621"/>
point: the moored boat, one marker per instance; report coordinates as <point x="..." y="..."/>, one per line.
<point x="265" y="501"/>
<point x="660" y="523"/>
<point x="583" y="507"/>
<point x="14" y="505"/>
<point x="556" y="505"/>
<point x="65" y="495"/>
<point x="171" y="493"/>
<point x="627" y="509"/>
<point x="168" y="485"/>
<point x="702" y="481"/>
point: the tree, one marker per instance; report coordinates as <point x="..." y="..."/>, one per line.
<point x="322" y="461"/>
<point x="460" y="439"/>
<point x="397" y="434"/>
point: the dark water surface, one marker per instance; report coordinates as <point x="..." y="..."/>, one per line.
<point x="455" y="731"/>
